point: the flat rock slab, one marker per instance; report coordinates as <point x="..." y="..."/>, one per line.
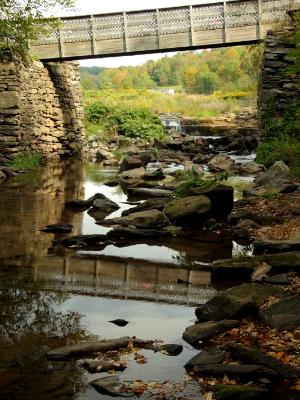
<point x="275" y="246"/>
<point x="236" y="370"/>
<point x="194" y="333"/>
<point x="110" y="386"/>
<point x="155" y="203"/>
<point x="58" y="228"/>
<point x="135" y="234"/>
<point x="146" y="192"/>
<point x="250" y="354"/>
<point x="278" y="279"/>
<point x="237" y="302"/>
<point x="148" y="219"/>
<point x="284" y="314"/>
<point x="236" y="392"/>
<point x="207" y="356"/>
<point x="76" y="350"/>
<point x="288" y="260"/>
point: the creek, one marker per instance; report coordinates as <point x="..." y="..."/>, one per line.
<point x="51" y="297"/>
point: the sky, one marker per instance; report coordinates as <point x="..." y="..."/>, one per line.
<point x="99" y="7"/>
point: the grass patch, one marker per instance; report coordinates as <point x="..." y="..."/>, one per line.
<point x="191" y="180"/>
<point x="27" y="161"/>
<point x="184" y="104"/>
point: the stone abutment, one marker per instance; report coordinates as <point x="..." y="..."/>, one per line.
<point x="278" y="89"/>
<point x="40" y="109"/>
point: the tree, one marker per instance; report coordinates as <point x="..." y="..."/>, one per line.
<point x="22" y="21"/>
<point x="206" y="82"/>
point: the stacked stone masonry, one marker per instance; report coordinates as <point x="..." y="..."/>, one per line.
<point x="275" y="84"/>
<point x="40" y="109"/>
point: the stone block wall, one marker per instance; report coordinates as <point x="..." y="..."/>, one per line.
<point x="275" y="84"/>
<point x="40" y="109"/>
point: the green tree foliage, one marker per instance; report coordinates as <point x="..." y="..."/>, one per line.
<point x="22" y="21"/>
<point x="206" y="82"/>
<point x="232" y="69"/>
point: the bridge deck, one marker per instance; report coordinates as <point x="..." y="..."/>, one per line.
<point x="220" y="23"/>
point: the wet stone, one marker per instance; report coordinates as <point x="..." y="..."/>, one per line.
<point x="237" y="302"/>
<point x="250" y="354"/>
<point x="206" y="357"/>
<point x="195" y="333"/>
<point x="279" y="279"/>
<point x="119" y="322"/>
<point x="110" y="386"/>
<point x="171" y="349"/>
<point x="283" y="314"/>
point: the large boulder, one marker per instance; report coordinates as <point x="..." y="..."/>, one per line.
<point x="283" y="314"/>
<point x="195" y="333"/>
<point x="220" y="163"/>
<point x="145" y="219"/>
<point x="103" y="154"/>
<point x="221" y="197"/>
<point x="237" y="302"/>
<point x="186" y="207"/>
<point x="278" y="172"/>
<point x="135" y="161"/>
<point x="101" y="202"/>
<point x="131" y="162"/>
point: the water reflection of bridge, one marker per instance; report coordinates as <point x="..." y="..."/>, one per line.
<point x="124" y="280"/>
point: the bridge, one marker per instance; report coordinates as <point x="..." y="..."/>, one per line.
<point x="218" y="24"/>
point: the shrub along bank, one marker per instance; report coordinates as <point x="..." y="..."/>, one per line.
<point x="130" y="122"/>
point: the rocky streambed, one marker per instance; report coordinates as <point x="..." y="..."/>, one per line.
<point x="152" y="276"/>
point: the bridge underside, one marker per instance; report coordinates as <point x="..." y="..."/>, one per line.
<point x="222" y="23"/>
<point x="115" y="48"/>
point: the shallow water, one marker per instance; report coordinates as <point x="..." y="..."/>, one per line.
<point x="50" y="296"/>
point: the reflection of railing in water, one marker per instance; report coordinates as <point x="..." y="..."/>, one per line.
<point x="126" y="281"/>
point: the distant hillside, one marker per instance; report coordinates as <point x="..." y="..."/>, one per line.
<point x="226" y="69"/>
